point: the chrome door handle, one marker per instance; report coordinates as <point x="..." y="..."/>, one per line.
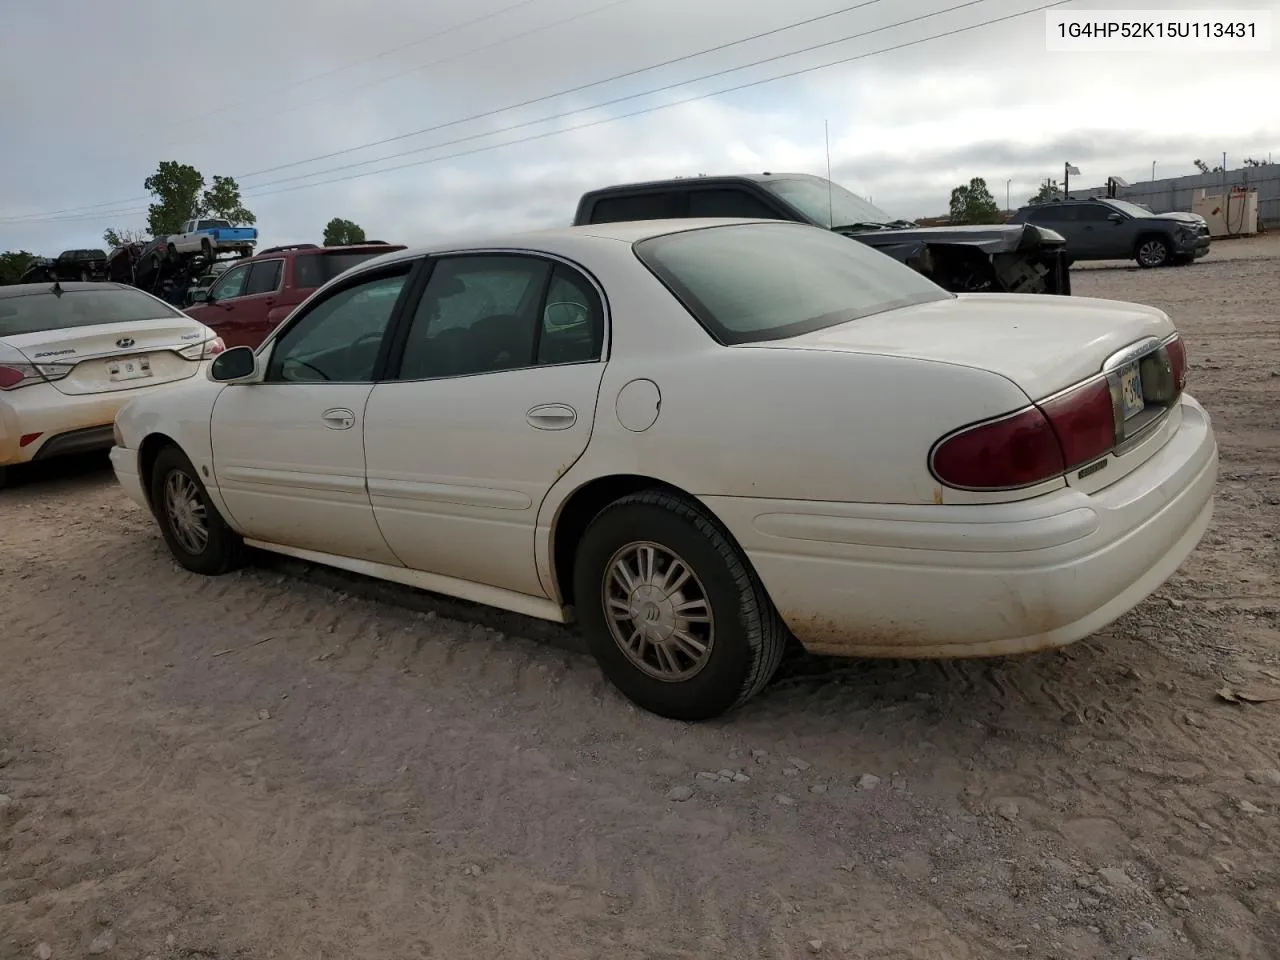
<point x="338" y="418"/>
<point x="551" y="416"/>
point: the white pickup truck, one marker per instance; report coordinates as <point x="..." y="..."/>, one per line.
<point x="213" y="236"/>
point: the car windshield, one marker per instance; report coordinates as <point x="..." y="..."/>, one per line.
<point x="40" y="311"/>
<point x="841" y="208"/>
<point x="317" y="269"/>
<point x="763" y="281"/>
<point x="1132" y="209"/>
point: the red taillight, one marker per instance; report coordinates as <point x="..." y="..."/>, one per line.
<point x="1085" y="421"/>
<point x="27" y="439"/>
<point x="215" y="347"/>
<point x="11" y="377"/>
<point x="1015" y="451"/>
<point x="1177" y="351"/>
<point x="1030" y="447"/>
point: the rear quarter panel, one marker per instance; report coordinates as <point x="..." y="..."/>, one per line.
<point x="752" y="421"/>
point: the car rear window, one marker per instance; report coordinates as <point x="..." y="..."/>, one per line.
<point x="317" y="269"/>
<point x="38" y="312"/>
<point x="747" y="283"/>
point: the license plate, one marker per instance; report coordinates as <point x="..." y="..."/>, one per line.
<point x="128" y="368"/>
<point x="1131" y="400"/>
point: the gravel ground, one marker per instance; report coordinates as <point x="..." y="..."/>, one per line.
<point x="289" y="762"/>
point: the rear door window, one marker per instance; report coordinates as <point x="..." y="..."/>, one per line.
<point x="264" y="277"/>
<point x="729" y="202"/>
<point x="657" y="205"/>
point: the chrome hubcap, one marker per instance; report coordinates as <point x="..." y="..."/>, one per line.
<point x="658" y="612"/>
<point x="187" y="517"/>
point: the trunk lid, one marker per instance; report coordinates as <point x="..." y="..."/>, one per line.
<point x="1043" y="344"/>
<point x="109" y="357"/>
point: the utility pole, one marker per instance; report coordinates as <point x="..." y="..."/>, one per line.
<point x="1006" y="193"/>
<point x="1153" y="171"/>
<point x="1067" y="171"/>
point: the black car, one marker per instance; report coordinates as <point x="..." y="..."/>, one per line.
<point x="1100" y="228"/>
<point x="87" y="264"/>
<point x="997" y="258"/>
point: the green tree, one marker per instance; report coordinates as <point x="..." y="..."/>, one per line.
<point x="176" y="187"/>
<point x="13" y="263"/>
<point x="338" y="232"/>
<point x="1048" y="190"/>
<point x="118" y="238"/>
<point x="222" y="199"/>
<point x="973" y="203"/>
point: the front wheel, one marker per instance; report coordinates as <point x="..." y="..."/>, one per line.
<point x="192" y="528"/>
<point x="672" y="610"/>
<point x="1153" y="252"/>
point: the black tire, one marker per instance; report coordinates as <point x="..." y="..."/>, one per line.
<point x="1153" y="251"/>
<point x="172" y="251"/>
<point x="223" y="549"/>
<point x="206" y="249"/>
<point x="747" y="637"/>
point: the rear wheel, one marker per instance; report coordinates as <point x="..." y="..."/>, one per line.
<point x="192" y="528"/>
<point x="1153" y="252"/>
<point x="672" y="610"/>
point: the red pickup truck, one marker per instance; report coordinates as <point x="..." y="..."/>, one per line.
<point x="251" y="298"/>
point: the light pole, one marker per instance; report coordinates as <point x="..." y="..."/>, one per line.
<point x="1006" y="193"/>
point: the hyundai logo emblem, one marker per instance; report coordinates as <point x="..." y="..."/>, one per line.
<point x="125" y="342"/>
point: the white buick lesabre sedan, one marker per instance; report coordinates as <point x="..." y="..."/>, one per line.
<point x="699" y="438"/>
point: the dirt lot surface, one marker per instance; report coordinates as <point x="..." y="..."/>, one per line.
<point x="288" y="763"/>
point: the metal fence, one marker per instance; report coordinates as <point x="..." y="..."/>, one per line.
<point x="1176" y="193"/>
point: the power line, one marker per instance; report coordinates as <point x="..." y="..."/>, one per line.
<point x="677" y="103"/>
<point x="578" y="89"/>
<point x="489" y="113"/>
<point x="663" y="106"/>
<point x="617" y="100"/>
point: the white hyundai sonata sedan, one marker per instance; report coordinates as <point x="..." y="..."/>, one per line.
<point x="699" y="439"/>
<point x="71" y="354"/>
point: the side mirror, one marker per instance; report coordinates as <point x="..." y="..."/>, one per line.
<point x="234" y="366"/>
<point x="1115" y="217"/>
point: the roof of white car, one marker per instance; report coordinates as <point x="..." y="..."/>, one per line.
<point x="627" y="232"/>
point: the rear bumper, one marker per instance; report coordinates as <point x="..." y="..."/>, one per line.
<point x="954" y="581"/>
<point x="62" y="424"/>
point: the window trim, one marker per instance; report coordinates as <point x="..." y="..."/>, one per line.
<point x="410" y="267"/>
<point x="240" y="296"/>
<point x="279" y="279"/>
<point x="400" y="337"/>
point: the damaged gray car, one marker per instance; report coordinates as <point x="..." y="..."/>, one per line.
<point x="997" y="258"/>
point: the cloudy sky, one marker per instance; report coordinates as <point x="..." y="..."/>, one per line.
<point x="286" y="94"/>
